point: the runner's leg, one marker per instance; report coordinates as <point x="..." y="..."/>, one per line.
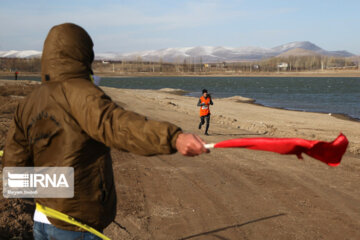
<point x="207" y="117"/>
<point x="202" y="121"/>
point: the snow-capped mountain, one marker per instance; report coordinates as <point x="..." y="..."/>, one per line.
<point x="216" y="54"/>
<point x="310" y="47"/>
<point x="304" y="45"/>
<point x="20" y="54"/>
<point x="205" y="53"/>
<point x="200" y="53"/>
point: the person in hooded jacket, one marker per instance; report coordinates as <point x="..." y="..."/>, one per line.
<point x="70" y="122"/>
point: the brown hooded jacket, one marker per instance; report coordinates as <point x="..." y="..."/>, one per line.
<point x="68" y="121"/>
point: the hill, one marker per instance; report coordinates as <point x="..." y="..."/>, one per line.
<point x="204" y="54"/>
<point x="298" y="52"/>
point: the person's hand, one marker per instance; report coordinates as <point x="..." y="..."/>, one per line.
<point x="190" y="145"/>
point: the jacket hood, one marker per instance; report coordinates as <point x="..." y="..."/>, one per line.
<point x="67" y="53"/>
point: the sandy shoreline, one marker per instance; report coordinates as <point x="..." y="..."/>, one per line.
<point x="239" y="113"/>
<point x="229" y="193"/>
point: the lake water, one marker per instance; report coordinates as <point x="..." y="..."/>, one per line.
<point x="325" y="94"/>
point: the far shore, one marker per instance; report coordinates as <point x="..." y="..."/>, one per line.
<point x="325" y="73"/>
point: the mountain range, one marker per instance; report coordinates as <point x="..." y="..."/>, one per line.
<point x="205" y="53"/>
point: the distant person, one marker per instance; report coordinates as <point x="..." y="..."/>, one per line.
<point x="70" y="122"/>
<point x="204" y="104"/>
<point x="16" y="75"/>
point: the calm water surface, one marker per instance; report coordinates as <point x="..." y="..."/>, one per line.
<point x="328" y="95"/>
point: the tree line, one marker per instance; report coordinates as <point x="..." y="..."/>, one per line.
<point x="196" y="66"/>
<point x="20" y="64"/>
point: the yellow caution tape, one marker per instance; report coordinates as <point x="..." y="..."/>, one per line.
<point x="1" y="153"/>
<point x="63" y="217"/>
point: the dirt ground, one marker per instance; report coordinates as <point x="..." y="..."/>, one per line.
<point x="226" y="194"/>
<point x="15" y="214"/>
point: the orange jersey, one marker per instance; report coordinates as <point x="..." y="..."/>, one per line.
<point x="205" y="109"/>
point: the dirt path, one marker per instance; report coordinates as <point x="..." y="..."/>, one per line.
<point x="232" y="193"/>
<point x="235" y="195"/>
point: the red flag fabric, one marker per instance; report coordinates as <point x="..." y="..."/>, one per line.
<point x="327" y="152"/>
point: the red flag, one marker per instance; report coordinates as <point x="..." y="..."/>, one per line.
<point x="327" y="152"/>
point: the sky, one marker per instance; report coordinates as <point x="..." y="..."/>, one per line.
<point x="129" y="25"/>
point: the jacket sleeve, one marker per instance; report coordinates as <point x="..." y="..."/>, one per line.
<point x="110" y="124"/>
<point x="16" y="151"/>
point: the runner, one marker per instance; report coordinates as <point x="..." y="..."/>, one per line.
<point x="204" y="104"/>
